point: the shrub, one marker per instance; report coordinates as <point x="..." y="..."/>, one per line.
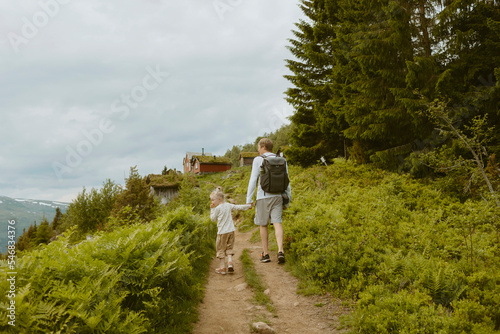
<point x="145" y="278"/>
<point x="414" y="259"/>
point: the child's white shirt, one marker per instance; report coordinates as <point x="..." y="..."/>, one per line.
<point x="222" y="214"/>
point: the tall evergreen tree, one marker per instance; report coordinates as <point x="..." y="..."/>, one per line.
<point x="56" y="222"/>
<point x="365" y="70"/>
<point x="44" y="233"/>
<point x="312" y="121"/>
<point x="136" y="202"/>
<point x="353" y="56"/>
<point x="234" y="155"/>
<point x="470" y="33"/>
<point x="379" y="39"/>
<point x="26" y="240"/>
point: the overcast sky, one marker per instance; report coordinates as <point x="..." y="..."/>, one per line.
<point x="91" y="88"/>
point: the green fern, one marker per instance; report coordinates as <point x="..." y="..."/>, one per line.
<point x="442" y="285"/>
<point x="136" y="279"/>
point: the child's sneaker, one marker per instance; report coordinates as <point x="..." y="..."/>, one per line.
<point x="264" y="258"/>
<point x="281" y="258"/>
<point x="221" y="271"/>
<point x="230" y="268"/>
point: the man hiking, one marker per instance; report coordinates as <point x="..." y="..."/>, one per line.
<point x="269" y="205"/>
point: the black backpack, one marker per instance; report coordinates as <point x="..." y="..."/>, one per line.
<point x="273" y="175"/>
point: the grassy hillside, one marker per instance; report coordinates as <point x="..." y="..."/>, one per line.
<point x="404" y="256"/>
<point x="144" y="278"/>
<point x="410" y="258"/>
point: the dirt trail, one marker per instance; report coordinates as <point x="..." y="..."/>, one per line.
<point x="228" y="308"/>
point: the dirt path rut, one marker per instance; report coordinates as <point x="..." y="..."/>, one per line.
<point x="228" y="306"/>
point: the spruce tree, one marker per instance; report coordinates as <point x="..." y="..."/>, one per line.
<point x="380" y="40"/>
<point x="234" y="155"/>
<point x="313" y="120"/>
<point x="470" y="33"/>
<point x="353" y="59"/>
<point x="56" y="222"/>
<point x="27" y="239"/>
<point x="364" y="70"/>
<point x="44" y="233"/>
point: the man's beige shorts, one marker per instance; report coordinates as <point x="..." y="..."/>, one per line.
<point x="269" y="209"/>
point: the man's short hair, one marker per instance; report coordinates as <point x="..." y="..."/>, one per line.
<point x="266" y="143"/>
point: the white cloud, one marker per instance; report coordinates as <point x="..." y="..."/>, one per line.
<point x="225" y="87"/>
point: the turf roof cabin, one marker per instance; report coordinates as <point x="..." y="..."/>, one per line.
<point x="203" y="164"/>
<point x="165" y="187"/>
<point x="246" y="158"/>
<point x="186" y="162"/>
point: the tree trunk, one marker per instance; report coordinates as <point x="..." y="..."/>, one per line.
<point x="424" y="25"/>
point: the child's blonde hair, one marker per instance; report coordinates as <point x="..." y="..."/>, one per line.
<point x="217" y="193"/>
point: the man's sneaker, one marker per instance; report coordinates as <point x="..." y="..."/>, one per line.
<point x="265" y="258"/>
<point x="281" y="258"/>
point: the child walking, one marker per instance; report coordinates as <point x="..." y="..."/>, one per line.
<point x="220" y="211"/>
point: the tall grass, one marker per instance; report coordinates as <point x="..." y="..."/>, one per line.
<point x="255" y="282"/>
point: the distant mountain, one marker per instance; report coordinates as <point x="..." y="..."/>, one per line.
<point x="25" y="212"/>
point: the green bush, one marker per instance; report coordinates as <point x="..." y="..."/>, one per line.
<point x="192" y="196"/>
<point x="382" y="311"/>
<point x="413" y="259"/>
<point x="145" y="278"/>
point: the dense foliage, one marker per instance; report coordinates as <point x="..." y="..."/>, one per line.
<point x="97" y="210"/>
<point x="91" y="209"/>
<point x="136" y="202"/>
<point x="40" y="234"/>
<point x="363" y="72"/>
<point x="144" y="278"/>
<point x="280" y="138"/>
<point x="405" y="255"/>
<point x="411" y="258"/>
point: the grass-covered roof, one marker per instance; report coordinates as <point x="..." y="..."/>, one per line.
<point x="249" y="154"/>
<point x="203" y="159"/>
<point x="172" y="180"/>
